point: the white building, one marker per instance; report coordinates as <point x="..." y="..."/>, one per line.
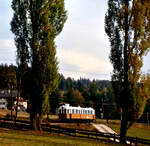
<point x="3" y="103"/>
<point x="22" y="104"/>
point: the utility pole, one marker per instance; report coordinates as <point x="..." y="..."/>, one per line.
<point x="148" y="118"/>
<point x="102" y="108"/>
<point x="11" y="101"/>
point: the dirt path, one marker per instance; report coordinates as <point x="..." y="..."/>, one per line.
<point x="103" y="128"/>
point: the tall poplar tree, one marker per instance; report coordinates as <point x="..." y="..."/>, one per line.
<point x="127" y="24"/>
<point x="19" y="27"/>
<point x="40" y="22"/>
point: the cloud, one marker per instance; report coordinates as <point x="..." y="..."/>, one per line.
<point x="7" y="51"/>
<point x="5" y="18"/>
<point x="83" y="47"/>
<point x="7" y="44"/>
<point x="82" y="64"/>
<point x="146" y="63"/>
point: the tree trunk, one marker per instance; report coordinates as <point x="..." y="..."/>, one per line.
<point x="11" y="103"/>
<point x="40" y="121"/>
<point x="123" y="129"/>
<point x="17" y="106"/>
<point x="33" y="121"/>
<point x="124" y="121"/>
<point x="18" y="99"/>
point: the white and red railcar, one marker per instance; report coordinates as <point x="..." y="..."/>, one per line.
<point x="67" y="112"/>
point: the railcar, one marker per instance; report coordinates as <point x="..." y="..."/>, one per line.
<point x="71" y="113"/>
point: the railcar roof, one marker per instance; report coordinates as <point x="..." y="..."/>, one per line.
<point x="67" y="106"/>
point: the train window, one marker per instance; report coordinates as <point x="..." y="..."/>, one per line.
<point x="73" y="111"/>
<point x="67" y="111"/>
<point x="63" y="111"/>
<point x="59" y="111"/>
<point x="76" y="111"/>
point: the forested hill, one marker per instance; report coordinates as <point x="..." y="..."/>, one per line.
<point x="82" y="92"/>
<point x="86" y="93"/>
<point x="68" y="83"/>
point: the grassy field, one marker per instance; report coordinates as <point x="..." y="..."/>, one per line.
<point x="30" y="138"/>
<point x="137" y="130"/>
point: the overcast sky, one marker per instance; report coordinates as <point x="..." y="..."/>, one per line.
<point x="82" y="47"/>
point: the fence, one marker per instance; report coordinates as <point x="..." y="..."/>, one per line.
<point x="74" y="132"/>
<point x="92" y="134"/>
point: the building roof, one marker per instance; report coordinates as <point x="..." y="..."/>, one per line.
<point x="8" y="93"/>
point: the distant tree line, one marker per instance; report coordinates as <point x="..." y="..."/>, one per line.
<point x="8" y="77"/>
<point x="82" y="92"/>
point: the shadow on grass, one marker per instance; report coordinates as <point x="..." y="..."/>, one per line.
<point x="16" y="125"/>
<point x="25" y="126"/>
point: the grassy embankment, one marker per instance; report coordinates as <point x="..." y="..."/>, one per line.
<point x="17" y="138"/>
<point x="137" y="130"/>
<point x="28" y="137"/>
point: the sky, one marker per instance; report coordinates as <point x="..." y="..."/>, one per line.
<point x="82" y="47"/>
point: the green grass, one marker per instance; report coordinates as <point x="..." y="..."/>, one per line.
<point x="137" y="130"/>
<point x="17" y="138"/>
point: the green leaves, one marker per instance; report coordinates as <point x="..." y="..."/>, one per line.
<point x="127" y="24"/>
<point x="36" y="25"/>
